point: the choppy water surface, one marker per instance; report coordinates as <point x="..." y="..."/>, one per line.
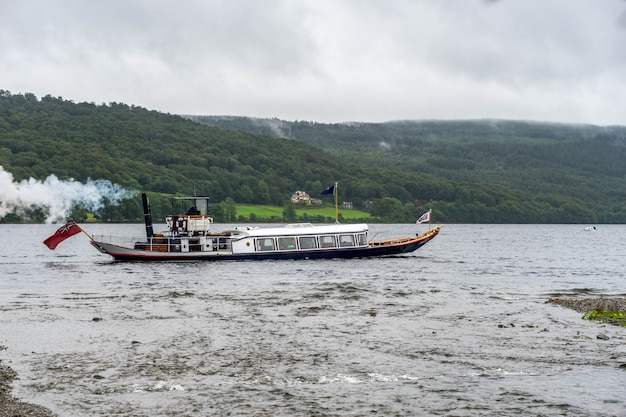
<point x="459" y="328"/>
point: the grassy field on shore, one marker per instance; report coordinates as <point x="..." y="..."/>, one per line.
<point x="267" y="212"/>
<point x="275" y="213"/>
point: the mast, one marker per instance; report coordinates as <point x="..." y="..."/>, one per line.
<point x="336" y="204"/>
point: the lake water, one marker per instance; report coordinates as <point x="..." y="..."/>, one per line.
<point x="459" y="328"/>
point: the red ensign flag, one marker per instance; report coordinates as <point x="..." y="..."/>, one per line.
<point x="69" y="230"/>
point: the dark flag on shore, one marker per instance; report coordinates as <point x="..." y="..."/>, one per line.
<point x="329" y="191"/>
<point x="68" y="230"/>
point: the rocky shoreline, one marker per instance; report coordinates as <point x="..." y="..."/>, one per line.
<point x="12" y="407"/>
<point x="585" y="305"/>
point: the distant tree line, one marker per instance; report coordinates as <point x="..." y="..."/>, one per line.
<point x="465" y="172"/>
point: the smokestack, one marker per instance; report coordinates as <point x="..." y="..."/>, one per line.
<point x="147" y="215"/>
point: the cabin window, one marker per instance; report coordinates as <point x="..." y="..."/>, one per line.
<point x="286" y="243"/>
<point x="346" y="240"/>
<point x="265" y="244"/>
<point x="327" y="242"/>
<point x="362" y="239"/>
<point x="307" y="242"/>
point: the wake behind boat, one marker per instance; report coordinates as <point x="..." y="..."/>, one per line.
<point x="189" y="237"/>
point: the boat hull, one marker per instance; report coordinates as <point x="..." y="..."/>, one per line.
<point x="374" y="249"/>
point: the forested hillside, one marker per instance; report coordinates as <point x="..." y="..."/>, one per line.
<point x="485" y="179"/>
<point x="580" y="168"/>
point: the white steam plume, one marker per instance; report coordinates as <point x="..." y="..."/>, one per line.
<point x="56" y="196"/>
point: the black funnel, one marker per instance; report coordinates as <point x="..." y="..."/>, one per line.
<point x="147" y="215"/>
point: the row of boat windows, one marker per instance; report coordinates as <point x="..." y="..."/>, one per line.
<point x="310" y="242"/>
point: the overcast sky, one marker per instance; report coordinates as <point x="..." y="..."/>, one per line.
<point x="325" y="60"/>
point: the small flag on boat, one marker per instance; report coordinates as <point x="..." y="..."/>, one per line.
<point x="424" y="217"/>
<point x="68" y="230"/>
<point x="329" y="191"/>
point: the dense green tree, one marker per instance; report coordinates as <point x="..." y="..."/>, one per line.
<point x="230" y="209"/>
<point x="261" y="193"/>
<point x="289" y="212"/>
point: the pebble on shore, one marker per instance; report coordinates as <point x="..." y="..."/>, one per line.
<point x="11" y="407"/>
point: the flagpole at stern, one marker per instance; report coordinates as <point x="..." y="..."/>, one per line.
<point x="81" y="229"/>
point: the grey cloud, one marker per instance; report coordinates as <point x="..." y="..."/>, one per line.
<point x="325" y="60"/>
